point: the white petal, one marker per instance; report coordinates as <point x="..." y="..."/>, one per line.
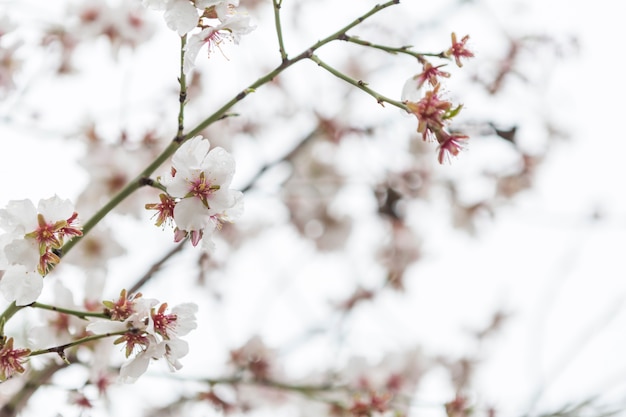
<point x="54" y="209"/>
<point x="178" y="186"/>
<point x="133" y="369"/>
<point x="219" y="166"/>
<point x="238" y="24"/>
<point x="221" y="201"/>
<point x="176" y="349"/>
<point x="22" y="252"/>
<point x="185" y="318"/>
<point x="235" y="211"/>
<point x="204" y="4"/>
<point x="411" y="91"/>
<point x="19" y="285"/>
<point x="190" y="214"/>
<point x="192" y="153"/>
<point x="193" y="46"/>
<point x="106" y="326"/>
<point x="20" y="216"/>
<point x="207" y="242"/>
<point x="181" y="16"/>
<point x="130" y="371"/>
<point x="155" y="4"/>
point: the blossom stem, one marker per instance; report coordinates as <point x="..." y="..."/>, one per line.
<point x="157" y="185"/>
<point x="393" y="50"/>
<point x="279" y="29"/>
<point x="61" y="348"/>
<point x="182" y="98"/>
<point x="80" y="314"/>
<point x="7" y="314"/>
<point x="358" y="83"/>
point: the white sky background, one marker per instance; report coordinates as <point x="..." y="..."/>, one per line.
<point x="544" y="260"/>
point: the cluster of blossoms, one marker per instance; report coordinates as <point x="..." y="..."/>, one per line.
<point x="149" y="332"/>
<point x="431" y="110"/>
<point x="30" y="246"/>
<point x="198" y="199"/>
<point x="218" y="21"/>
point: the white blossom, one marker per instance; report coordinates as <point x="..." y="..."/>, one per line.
<point x="27" y="247"/>
<point x="200" y="180"/>
<point x="231" y="28"/>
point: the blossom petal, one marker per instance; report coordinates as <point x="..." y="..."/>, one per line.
<point x="192" y="153"/>
<point x="193" y="46"/>
<point x="190" y="214"/>
<point x="181" y="16"/>
<point x="20" y="216"/>
<point x="19" y="285"/>
<point x="220" y="167"/>
<point x="54" y="209"/>
<point x="106" y="326"/>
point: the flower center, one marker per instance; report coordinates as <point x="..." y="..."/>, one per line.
<point x="202" y="189"/>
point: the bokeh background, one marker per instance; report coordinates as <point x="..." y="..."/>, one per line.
<point x="523" y="231"/>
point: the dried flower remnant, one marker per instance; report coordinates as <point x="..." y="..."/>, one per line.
<point x="458" y="49"/>
<point x="430" y="112"/>
<point x="123" y="308"/>
<point x="11" y="360"/>
<point x="431" y="74"/>
<point x="450" y="145"/>
<point x="165" y="210"/>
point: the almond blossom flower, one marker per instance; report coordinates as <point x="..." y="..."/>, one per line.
<point x="230" y="29"/>
<point x="31" y="243"/>
<point x="198" y="186"/>
<point x="179" y="322"/>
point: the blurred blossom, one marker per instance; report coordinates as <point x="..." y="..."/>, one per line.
<point x="123" y="25"/>
<point x="59" y="328"/>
